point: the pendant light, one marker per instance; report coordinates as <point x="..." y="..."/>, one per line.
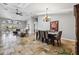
<point x="46" y="17"/>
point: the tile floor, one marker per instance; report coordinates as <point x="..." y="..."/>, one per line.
<point x="14" y="45"/>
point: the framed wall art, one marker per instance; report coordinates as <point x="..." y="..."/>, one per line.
<point x="54" y="26"/>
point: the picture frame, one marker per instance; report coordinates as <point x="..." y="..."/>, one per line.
<point x="54" y="26"/>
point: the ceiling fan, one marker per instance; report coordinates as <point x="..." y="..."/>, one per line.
<point x="18" y="12"/>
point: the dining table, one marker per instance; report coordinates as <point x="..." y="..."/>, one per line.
<point x="46" y="35"/>
<point x="52" y="33"/>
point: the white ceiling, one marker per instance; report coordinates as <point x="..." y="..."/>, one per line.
<point x="8" y="10"/>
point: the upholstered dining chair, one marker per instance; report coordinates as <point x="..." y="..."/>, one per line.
<point x="42" y="36"/>
<point x="58" y="38"/>
<point x="51" y="39"/>
<point x="46" y="36"/>
<point x="38" y="35"/>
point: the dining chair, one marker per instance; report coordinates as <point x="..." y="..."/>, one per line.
<point x="51" y="39"/>
<point x="46" y="36"/>
<point x="37" y="35"/>
<point x="58" y="38"/>
<point x="40" y="35"/>
<point x="43" y="36"/>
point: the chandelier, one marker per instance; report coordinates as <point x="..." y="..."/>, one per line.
<point x="46" y="17"/>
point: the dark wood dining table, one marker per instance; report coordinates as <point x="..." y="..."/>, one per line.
<point x="46" y="35"/>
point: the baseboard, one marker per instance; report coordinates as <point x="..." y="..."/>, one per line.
<point x="68" y="39"/>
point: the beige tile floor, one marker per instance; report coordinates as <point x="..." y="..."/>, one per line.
<point x="15" y="45"/>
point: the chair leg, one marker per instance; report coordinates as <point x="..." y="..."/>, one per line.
<point x="49" y="41"/>
<point x="53" y="42"/>
<point x="59" y="42"/>
<point x="46" y="40"/>
<point x="42" y="39"/>
<point x="36" y="36"/>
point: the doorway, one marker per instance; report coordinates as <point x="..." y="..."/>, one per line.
<point x="76" y="13"/>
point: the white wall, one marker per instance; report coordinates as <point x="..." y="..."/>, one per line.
<point x="44" y="25"/>
<point x="66" y="24"/>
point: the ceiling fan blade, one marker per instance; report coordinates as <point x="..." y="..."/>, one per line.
<point x="5" y="3"/>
